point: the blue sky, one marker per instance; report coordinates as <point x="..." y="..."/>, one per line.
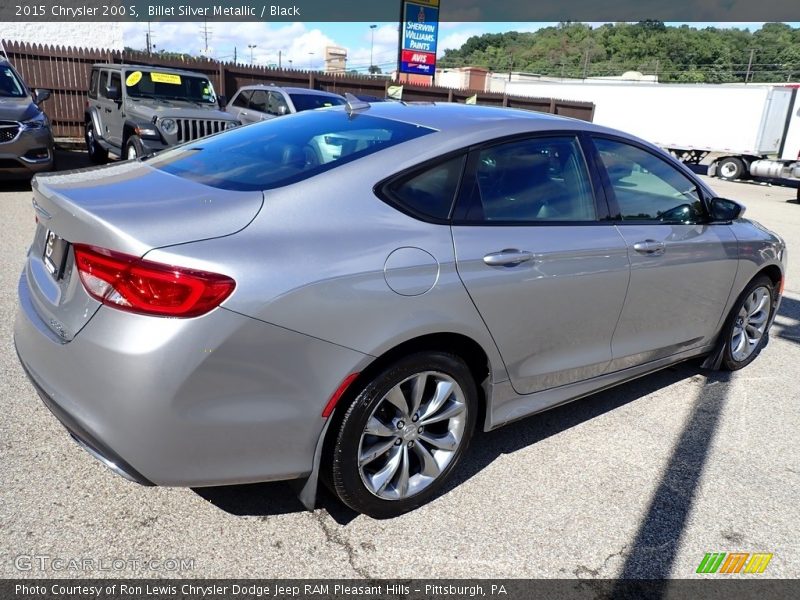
<point x="304" y="43"/>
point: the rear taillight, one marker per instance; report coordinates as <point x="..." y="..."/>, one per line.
<point x="141" y="286"/>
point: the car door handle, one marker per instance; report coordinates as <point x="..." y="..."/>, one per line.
<point x="651" y="247"/>
<point x="509" y="257"/>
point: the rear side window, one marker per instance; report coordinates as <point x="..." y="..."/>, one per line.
<point x="429" y="193"/>
<point x="282" y="151"/>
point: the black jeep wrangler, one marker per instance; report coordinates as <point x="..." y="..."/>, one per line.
<point x="136" y="110"/>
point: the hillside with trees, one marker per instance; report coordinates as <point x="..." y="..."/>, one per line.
<point x="682" y="54"/>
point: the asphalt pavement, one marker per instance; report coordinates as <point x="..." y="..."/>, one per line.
<point x="638" y="481"/>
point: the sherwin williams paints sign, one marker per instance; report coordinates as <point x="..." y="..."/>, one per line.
<point x="420" y="30"/>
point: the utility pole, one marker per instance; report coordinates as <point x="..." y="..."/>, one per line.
<point x="585" y="63"/>
<point x="149" y="39"/>
<point x="280" y="57"/>
<point x="749" y="65"/>
<point x="206" y="33"/>
<point x="234" y="55"/>
<point x="371" y="48"/>
<point x="511" y="67"/>
<point x="658" y="64"/>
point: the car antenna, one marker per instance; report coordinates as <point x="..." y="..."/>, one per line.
<point x="354" y="104"/>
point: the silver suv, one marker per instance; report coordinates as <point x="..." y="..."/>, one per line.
<point x="136" y="110"/>
<point x="255" y="103"/>
<point x="26" y="141"/>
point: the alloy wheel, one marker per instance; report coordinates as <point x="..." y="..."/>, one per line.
<point x="750" y="323"/>
<point x="412" y="435"/>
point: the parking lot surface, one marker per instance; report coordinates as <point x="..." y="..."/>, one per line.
<point x="638" y="481"/>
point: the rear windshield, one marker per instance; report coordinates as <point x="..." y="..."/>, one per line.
<point x="282" y="151"/>
<point x="312" y="101"/>
<point x="169" y="86"/>
<point x="10" y="85"/>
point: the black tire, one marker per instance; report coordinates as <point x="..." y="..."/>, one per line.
<point x="345" y="474"/>
<point x="133" y="146"/>
<point x="730" y="168"/>
<point x="97" y="154"/>
<point x="729" y="361"/>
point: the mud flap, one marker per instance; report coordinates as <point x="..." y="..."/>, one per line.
<point x="306" y="489"/>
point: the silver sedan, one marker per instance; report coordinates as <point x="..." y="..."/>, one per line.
<point x="347" y="295"/>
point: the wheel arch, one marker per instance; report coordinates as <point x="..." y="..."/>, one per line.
<point x="463" y="346"/>
<point x="773" y="272"/>
<point x="476" y="358"/>
<point x="91" y="114"/>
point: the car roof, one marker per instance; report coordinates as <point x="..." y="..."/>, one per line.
<point x="288" y="90"/>
<point x="117" y="66"/>
<point x="451" y="116"/>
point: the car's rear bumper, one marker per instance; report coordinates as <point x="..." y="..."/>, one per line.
<point x="95" y="447"/>
<point x="219" y="399"/>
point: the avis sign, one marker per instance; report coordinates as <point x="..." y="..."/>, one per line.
<point x="420" y="28"/>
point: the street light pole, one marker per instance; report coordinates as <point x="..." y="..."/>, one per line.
<point x="251" y="46"/>
<point x="371" y="48"/>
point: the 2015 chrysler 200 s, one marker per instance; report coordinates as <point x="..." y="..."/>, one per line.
<point x="353" y="291"/>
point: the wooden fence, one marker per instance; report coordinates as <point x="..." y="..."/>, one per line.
<point x="65" y="71"/>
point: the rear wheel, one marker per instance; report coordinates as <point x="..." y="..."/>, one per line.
<point x="745" y="332"/>
<point x="97" y="154"/>
<point x="730" y="168"/>
<point x="404" y="433"/>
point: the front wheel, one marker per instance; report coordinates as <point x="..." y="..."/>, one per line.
<point x="745" y="332"/>
<point x="134" y="148"/>
<point x="404" y="433"/>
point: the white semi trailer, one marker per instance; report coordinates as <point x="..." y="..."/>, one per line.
<point x="738" y="130"/>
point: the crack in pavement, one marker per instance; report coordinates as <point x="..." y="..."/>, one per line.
<point x="583" y="569"/>
<point x="333" y="536"/>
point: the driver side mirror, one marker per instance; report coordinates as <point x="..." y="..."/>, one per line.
<point x="222" y="101"/>
<point x="40" y="95"/>
<point x="283" y="109"/>
<point x="723" y="210"/>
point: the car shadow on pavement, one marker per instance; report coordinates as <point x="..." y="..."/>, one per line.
<point x="653" y="551"/>
<point x="280" y="498"/>
<point x="789" y="311"/>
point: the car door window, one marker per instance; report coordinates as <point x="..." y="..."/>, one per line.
<point x="93" y="83"/>
<point x="534" y="180"/>
<point x="258" y="101"/>
<point x="115" y="80"/>
<point x="242" y="99"/>
<point x="103" y="84"/>
<point x="276" y="101"/>
<point x="648" y="188"/>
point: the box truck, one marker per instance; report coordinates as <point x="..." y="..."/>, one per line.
<point x="737" y="130"/>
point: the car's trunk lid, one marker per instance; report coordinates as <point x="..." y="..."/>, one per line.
<point x="130" y="208"/>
